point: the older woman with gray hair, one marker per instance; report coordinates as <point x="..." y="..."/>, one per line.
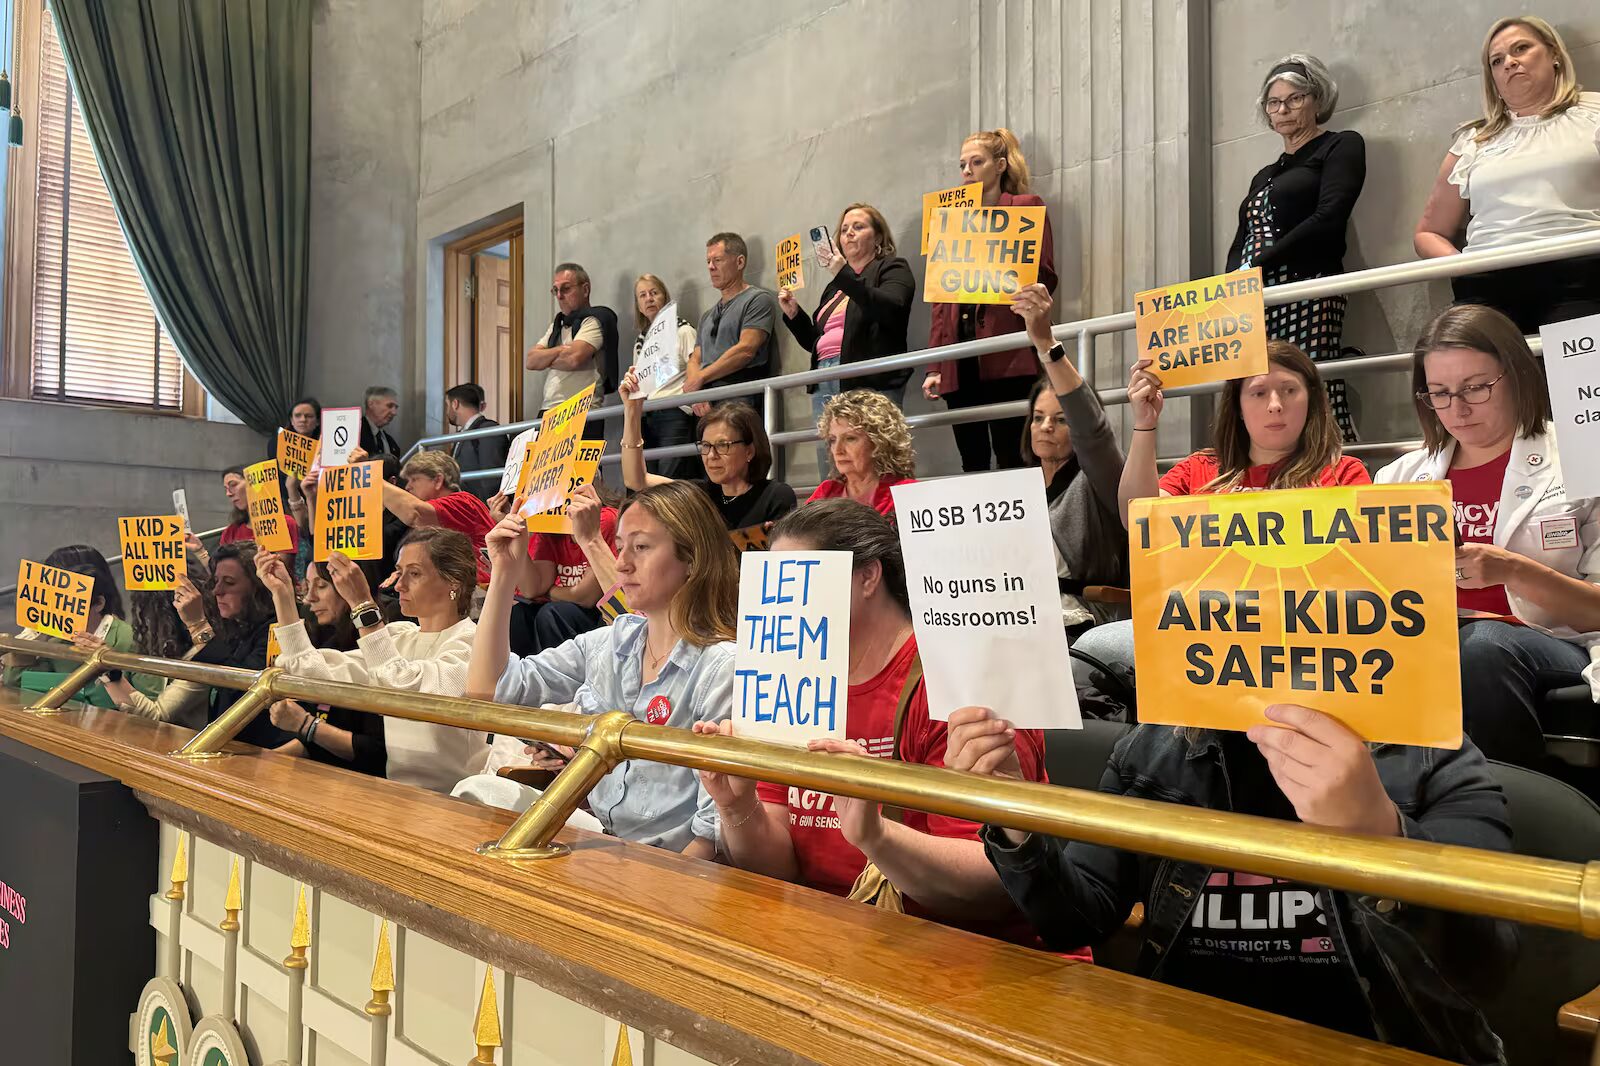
<point x="1292" y="221"/>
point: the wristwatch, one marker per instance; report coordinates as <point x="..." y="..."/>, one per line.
<point x="365" y="615"/>
<point x="1056" y="354"/>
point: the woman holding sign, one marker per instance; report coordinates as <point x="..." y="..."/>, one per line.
<point x="671" y="425"/>
<point x="826" y="842"/>
<point x="670" y="663"/>
<point x="106" y="625"/>
<point x="1401" y="974"/>
<point x="994" y="158"/>
<point x="735" y="451"/>
<point x="869" y="442"/>
<point x="436" y="574"/>
<point x="1528" y="552"/>
<point x="1272" y="431"/>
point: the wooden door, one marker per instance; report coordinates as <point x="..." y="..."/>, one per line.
<point x="493" y="356"/>
<point x="483" y="317"/>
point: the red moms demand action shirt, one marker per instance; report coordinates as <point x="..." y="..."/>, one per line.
<point x="1192" y="474"/>
<point x="1477" y="493"/>
<point x="465" y="513"/>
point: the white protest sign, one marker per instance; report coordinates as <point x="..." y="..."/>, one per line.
<point x="180" y="504"/>
<point x="341" y="434"/>
<point x="985" y="602"/>
<point x="659" y="360"/>
<point x="792" y="661"/>
<point x="1572" y="368"/>
<point x="517" y="452"/>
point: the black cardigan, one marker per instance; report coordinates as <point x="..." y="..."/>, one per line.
<point x="1313" y="192"/>
<point x="874" y="320"/>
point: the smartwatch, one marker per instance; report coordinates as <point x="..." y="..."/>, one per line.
<point x="1056" y="354"/>
<point x="366" y="615"/>
<point x="113" y="676"/>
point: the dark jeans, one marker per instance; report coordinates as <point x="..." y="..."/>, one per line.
<point x="1505" y="672"/>
<point x="663" y="429"/>
<point x="1538" y="294"/>
<point x="1003" y="436"/>
<point x="537" y="627"/>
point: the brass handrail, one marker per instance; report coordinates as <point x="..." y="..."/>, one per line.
<point x="1521" y="888"/>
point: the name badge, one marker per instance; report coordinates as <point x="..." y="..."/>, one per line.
<point x="1558" y="533"/>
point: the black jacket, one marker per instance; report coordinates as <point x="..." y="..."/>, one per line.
<point x="376" y="443"/>
<point x="1313" y="193"/>
<point x="482" y="453"/>
<point x="874" y="320"/>
<point x="605" y="360"/>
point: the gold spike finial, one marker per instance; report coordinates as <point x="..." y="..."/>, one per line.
<point x="233" y="902"/>
<point x="180" y="870"/>
<point x="300" y="935"/>
<point x="383" y="964"/>
<point x="488" y="1029"/>
<point x="623" y="1055"/>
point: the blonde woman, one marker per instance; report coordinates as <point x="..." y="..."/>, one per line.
<point x="1527" y="170"/>
<point x="673" y="425"/>
<point x="668" y="663"/>
<point x="869" y="446"/>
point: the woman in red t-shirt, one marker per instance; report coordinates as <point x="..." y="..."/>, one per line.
<point x="869" y="442"/>
<point x="1528" y="555"/>
<point x="825" y="841"/>
<point x="238" y="528"/>
<point x="433" y="496"/>
<point x="1272" y="431"/>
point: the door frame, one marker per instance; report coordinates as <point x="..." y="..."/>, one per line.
<point x="458" y="317"/>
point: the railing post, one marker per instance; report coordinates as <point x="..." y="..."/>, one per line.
<point x="52" y="701"/>
<point x="770" y="399"/>
<point x="1086" y="368"/>
<point x="532" y="835"/>
<point x="209" y="742"/>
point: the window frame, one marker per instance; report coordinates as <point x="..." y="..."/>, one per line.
<point x="21" y="237"/>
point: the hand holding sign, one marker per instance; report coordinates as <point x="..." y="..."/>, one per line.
<point x="1207" y="330"/>
<point x="507" y="545"/>
<point x="349" y="510"/>
<point x="1144" y="396"/>
<point x="341" y="431"/>
<point x="189" y="604"/>
<point x="791" y="275"/>
<point x="791" y="663"/>
<point x="152" y="552"/>
<point x="52" y="600"/>
<point x="1325" y="770"/>
<point x="983" y="255"/>
<point x="660" y="361"/>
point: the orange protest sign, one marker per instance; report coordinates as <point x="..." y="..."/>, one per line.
<point x="791" y="275"/>
<point x="749" y="539"/>
<point x="274" y="649"/>
<point x="982" y="255"/>
<point x="583" y="471"/>
<point x="1342" y="599"/>
<point x="349" y="512"/>
<point x="152" y="552"/>
<point x="51" y="600"/>
<point x="547" y="471"/>
<point x="960" y="196"/>
<point x="1207" y="330"/>
<point x="296" y="453"/>
<point x="266" y="507"/>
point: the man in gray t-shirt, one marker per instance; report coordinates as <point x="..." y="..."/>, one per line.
<point x="737" y="340"/>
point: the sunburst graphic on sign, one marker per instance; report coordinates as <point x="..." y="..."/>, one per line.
<point x="1206" y="330"/>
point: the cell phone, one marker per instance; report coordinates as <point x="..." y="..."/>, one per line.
<point x="549" y="749"/>
<point x="820" y="238"/>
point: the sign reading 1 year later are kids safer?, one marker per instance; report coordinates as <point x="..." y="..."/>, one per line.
<point x="1342" y="599"/>
<point x="1213" y="329"/>
<point x="985" y="602"/>
<point x="267" y="520"/>
<point x="792" y="661"/>
<point x="152" y="552"/>
<point x="1572" y="367"/>
<point x="51" y="600"/>
<point x="982" y="255"/>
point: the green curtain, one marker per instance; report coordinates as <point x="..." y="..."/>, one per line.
<point x="200" y="114"/>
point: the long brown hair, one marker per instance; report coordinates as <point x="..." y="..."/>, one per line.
<point x="1317" y="449"/>
<point x="705" y="610"/>
<point x="1482" y="329"/>
<point x="451" y="554"/>
<point x="1002" y="144"/>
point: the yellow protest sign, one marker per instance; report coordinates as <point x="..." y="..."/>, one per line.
<point x="1207" y="330"/>
<point x="790" y="273"/>
<point x="547" y="471"/>
<point x="349" y="512"/>
<point x="749" y="539"/>
<point x="1342" y="599"/>
<point x="274" y="649"/>
<point x="583" y="471"/>
<point x="982" y="255"/>
<point x="152" y="552"/>
<point x="51" y="600"/>
<point x="960" y="196"/>
<point x="267" y="520"/>
<point x="296" y="453"/>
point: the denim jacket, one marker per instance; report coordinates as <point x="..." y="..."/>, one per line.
<point x="1416" y="967"/>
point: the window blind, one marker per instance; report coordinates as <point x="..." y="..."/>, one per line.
<point x="96" y="337"/>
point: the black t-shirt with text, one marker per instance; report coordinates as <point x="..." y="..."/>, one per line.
<point x="766" y="501"/>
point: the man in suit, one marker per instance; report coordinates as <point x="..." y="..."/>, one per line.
<point x="464" y="408"/>
<point x="381" y="405"/>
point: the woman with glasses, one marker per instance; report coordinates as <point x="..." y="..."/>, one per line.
<point x="1292" y="221"/>
<point x="1528" y="553"/>
<point x="736" y="453"/>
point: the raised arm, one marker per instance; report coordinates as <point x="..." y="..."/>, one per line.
<point x="1139" y="477"/>
<point x="507" y="545"/>
<point x="588" y="530"/>
<point x="634" y="474"/>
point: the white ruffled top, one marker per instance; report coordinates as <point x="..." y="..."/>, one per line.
<point x="1538" y="177"/>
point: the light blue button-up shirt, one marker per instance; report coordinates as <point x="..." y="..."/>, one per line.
<point x="601" y="670"/>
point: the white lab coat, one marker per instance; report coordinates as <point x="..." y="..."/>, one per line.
<point x="1536" y="519"/>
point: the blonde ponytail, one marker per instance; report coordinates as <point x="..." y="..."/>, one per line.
<point x="1002" y="144"/>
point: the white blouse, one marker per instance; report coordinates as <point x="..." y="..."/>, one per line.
<point x="1538" y="177"/>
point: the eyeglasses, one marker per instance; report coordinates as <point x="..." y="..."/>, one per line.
<point x="721" y="447"/>
<point x="1288" y="103"/>
<point x="1439" y="399"/>
<point x="562" y="290"/>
